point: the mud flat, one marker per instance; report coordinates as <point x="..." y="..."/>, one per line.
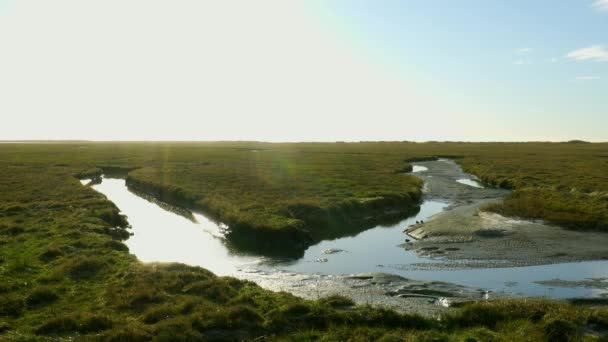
<point x="429" y="298"/>
<point x="467" y="236"/>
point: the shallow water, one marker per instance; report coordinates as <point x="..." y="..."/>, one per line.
<point x="377" y="250"/>
<point x="368" y="251"/>
<point x="520" y="281"/>
<point x="162" y="235"/>
<point x="167" y="234"/>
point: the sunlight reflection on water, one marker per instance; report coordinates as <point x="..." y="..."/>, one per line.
<point x="164" y="236"/>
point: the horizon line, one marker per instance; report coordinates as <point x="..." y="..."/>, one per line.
<point x="298" y="142"/>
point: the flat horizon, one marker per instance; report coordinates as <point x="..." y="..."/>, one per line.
<point x="313" y="142"/>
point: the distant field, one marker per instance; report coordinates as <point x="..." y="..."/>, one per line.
<point x="264" y="192"/>
<point x="64" y="271"/>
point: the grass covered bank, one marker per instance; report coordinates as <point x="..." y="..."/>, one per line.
<point x="269" y="195"/>
<point x="66" y="275"/>
<point x="305" y="192"/>
<point x="563" y="183"/>
<point x="327" y="189"/>
<point x="288" y="198"/>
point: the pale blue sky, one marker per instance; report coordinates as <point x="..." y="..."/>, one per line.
<point x="503" y="62"/>
<point x="310" y="70"/>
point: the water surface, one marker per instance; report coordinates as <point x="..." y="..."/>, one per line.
<point x="164" y="235"/>
<point x="369" y="251"/>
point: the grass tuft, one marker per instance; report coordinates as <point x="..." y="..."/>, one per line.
<point x="81" y="323"/>
<point x="84" y="267"/>
<point x="41" y="297"/>
<point x="51" y="253"/>
<point x="11" y="305"/>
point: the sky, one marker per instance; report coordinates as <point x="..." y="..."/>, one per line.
<point x="309" y="70"/>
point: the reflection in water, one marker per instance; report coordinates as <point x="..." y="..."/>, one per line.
<point x="166" y="206"/>
<point x="369" y="251"/>
<point x="164" y="236"/>
<point x="470" y="182"/>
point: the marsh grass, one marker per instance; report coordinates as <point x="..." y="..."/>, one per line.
<point x="64" y="274"/>
<point x="41" y="297"/>
<point x="83" y="323"/>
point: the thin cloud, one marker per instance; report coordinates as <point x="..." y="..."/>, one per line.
<point x="525" y="50"/>
<point x="601" y="5"/>
<point x="522" y="62"/>
<point x="587" y="78"/>
<point x="592" y="53"/>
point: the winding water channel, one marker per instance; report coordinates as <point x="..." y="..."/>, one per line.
<point x="163" y="233"/>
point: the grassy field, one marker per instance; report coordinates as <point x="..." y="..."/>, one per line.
<point x="64" y="272"/>
<point x="306" y="192"/>
<point x="292" y="195"/>
<point x="566" y="184"/>
<point x="265" y="193"/>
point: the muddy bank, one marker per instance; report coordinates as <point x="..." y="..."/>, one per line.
<point x="429" y="298"/>
<point x="441" y="183"/>
<point x="467" y="236"/>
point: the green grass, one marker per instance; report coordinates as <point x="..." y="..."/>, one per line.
<point x="299" y="196"/>
<point x="64" y="272"/>
<point x="565" y="184"/>
<point x="313" y="191"/>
